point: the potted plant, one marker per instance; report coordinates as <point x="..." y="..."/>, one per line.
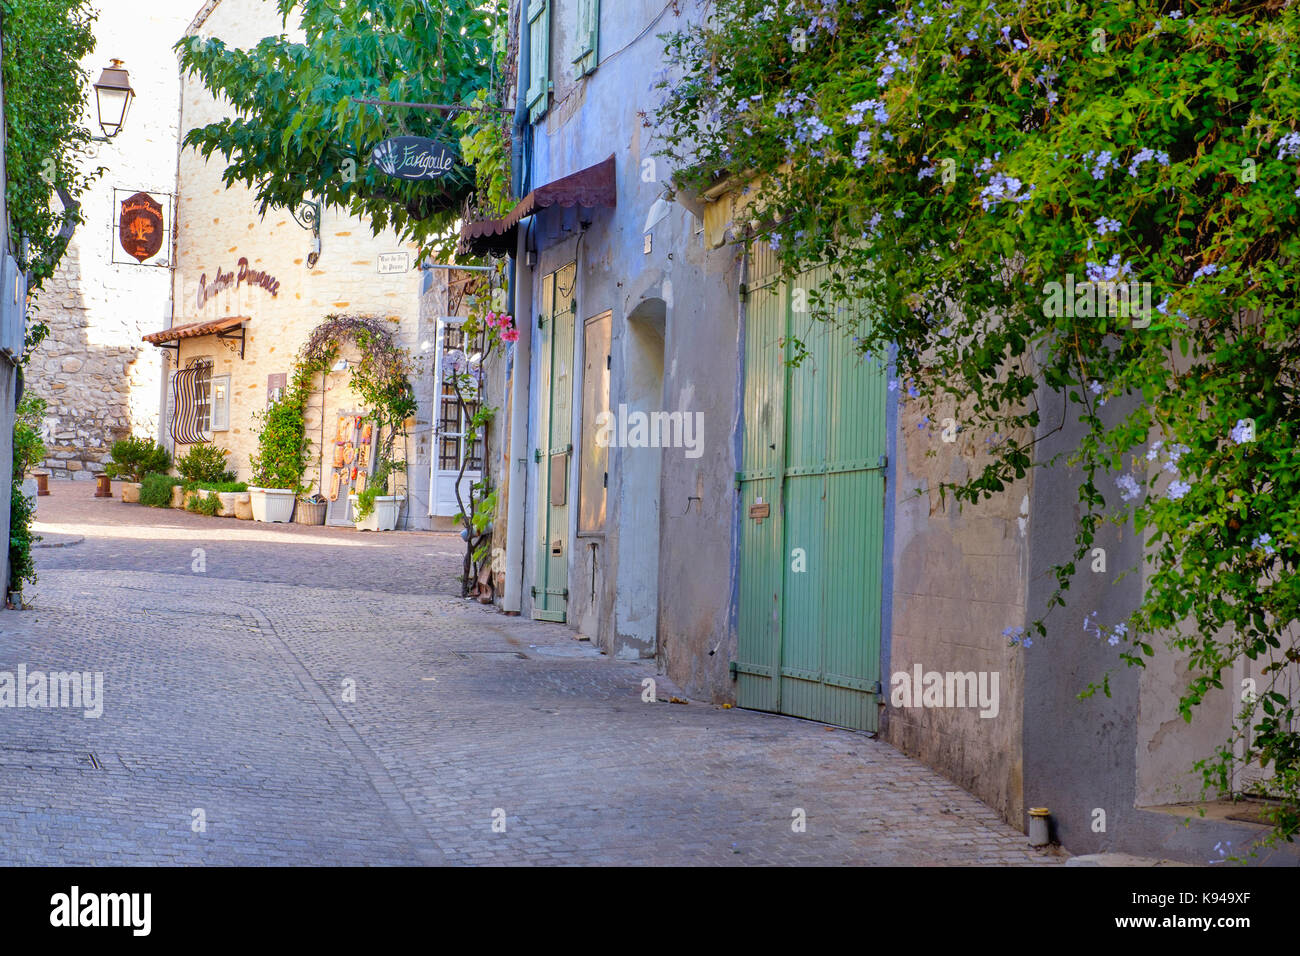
<point x="132" y="458"/>
<point x="374" y="509"/>
<point x="229" y="494"/>
<point x="281" y="457"/>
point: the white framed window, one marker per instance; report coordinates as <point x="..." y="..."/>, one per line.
<point x="220" y="403"/>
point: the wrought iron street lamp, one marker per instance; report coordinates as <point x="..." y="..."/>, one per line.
<point x="113" y="95"/>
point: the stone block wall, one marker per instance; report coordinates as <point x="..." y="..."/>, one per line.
<point x="99" y="380"/>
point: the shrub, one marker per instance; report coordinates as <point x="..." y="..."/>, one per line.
<point x="133" y="458"/>
<point x="28" y="452"/>
<point x="205" y="463"/>
<point x="204" y="505"/>
<point x="156" y="490"/>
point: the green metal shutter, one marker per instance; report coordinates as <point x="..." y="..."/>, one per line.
<point x="555" y="430"/>
<point x="812" y="549"/>
<point x="588" y="36"/>
<point x="539" y="76"/>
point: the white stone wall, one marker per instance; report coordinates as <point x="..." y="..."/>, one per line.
<point x="99" y="379"/>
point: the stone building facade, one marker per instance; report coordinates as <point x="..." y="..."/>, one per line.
<point x="256" y="272"/>
<point x="99" y="380"/>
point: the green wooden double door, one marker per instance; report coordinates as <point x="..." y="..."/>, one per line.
<point x="812" y="499"/>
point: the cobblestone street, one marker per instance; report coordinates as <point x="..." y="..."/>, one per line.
<point x="225" y="692"/>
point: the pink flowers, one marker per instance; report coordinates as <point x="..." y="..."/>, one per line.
<point x="505" y="323"/>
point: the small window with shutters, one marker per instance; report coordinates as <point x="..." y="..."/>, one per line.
<point x="588" y="36"/>
<point x="221" y="403"/>
<point x="539" y="59"/>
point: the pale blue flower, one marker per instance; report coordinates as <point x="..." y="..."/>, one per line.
<point x="1128" y="487"/>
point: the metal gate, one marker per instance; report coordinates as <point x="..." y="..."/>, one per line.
<point x="812" y="498"/>
<point x="555" y="430"/>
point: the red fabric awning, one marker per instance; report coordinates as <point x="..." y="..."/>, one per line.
<point x="208" y="327"/>
<point x="590" y="187"/>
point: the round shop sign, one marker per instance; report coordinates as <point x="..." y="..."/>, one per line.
<point x="140" y="228"/>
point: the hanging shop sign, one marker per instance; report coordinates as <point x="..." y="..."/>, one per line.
<point x="243" y="274"/>
<point x="412" y="157"/>
<point x="140" y="226"/>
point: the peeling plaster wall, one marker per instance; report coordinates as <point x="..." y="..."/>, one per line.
<point x="612" y="583"/>
<point x="1096" y="762"/>
<point x="960" y="579"/>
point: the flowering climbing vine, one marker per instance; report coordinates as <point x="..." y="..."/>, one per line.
<point x="1051" y="211"/>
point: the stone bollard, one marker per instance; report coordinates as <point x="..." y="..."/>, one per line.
<point x="42" y="482"/>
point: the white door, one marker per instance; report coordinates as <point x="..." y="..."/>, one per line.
<point x="452" y="445"/>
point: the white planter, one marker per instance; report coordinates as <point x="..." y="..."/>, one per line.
<point x="272" y="505"/>
<point x="384" y="517"/>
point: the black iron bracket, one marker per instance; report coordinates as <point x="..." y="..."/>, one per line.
<point x="307" y="215"/>
<point x="229" y="336"/>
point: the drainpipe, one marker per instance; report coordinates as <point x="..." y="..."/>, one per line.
<point x="520" y="289"/>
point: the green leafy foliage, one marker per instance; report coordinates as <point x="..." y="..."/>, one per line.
<point x="485" y="145"/>
<point x="22" y="567"/>
<point x="204" y="505"/>
<point x="297" y="129"/>
<point x="156" y="490"/>
<point x="29" y="451"/>
<point x="960" y="167"/>
<point x="46" y="92"/>
<point x="205" y="463"/>
<point x="132" y="458"/>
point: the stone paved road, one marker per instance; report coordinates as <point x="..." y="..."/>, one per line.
<point x="225" y="692"/>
